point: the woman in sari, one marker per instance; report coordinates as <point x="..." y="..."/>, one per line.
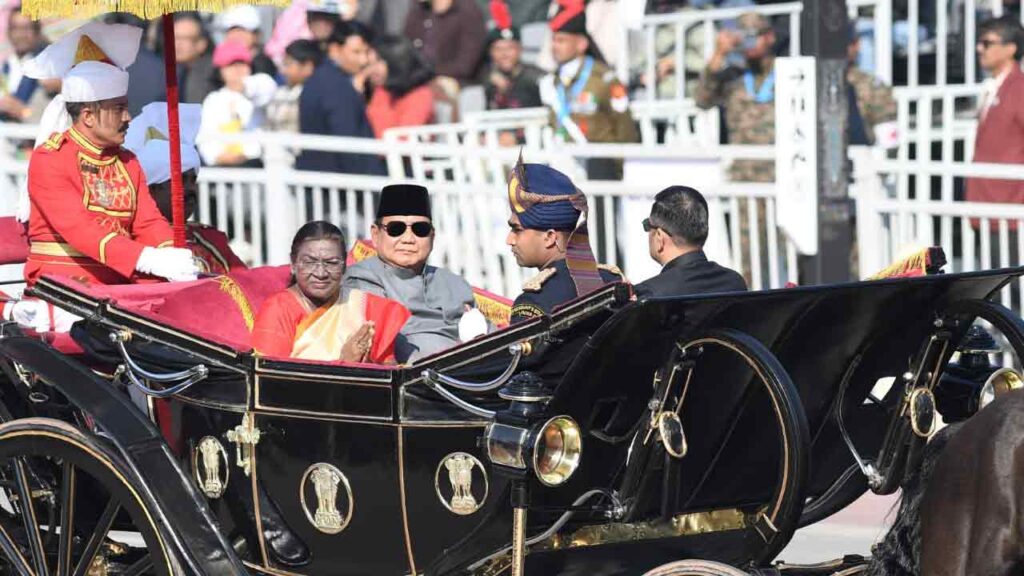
<point x="308" y="320"/>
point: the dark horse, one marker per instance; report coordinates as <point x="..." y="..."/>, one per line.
<point x="962" y="511"/>
<point x="972" y="513"/>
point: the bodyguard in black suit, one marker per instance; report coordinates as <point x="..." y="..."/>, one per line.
<point x="676" y="232"/>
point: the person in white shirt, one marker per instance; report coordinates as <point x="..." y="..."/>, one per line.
<point x="235" y="110"/>
<point x="21" y="98"/>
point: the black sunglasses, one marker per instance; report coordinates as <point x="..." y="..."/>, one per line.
<point x="987" y="43"/>
<point x="648" y="226"/>
<point x="420" y="229"/>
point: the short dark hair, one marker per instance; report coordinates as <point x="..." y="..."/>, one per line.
<point x="682" y="213"/>
<point x="345" y="29"/>
<point x="1008" y="29"/>
<point x="318" y="230"/>
<point x="303" y="51"/>
<point x="75" y="109"/>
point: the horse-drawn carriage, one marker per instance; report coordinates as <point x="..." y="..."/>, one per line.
<point x="612" y="437"/>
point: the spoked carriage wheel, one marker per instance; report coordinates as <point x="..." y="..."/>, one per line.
<point x="695" y="568"/>
<point x="85" y="517"/>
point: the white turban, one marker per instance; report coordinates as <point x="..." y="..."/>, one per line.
<point x="90" y="62"/>
<point x="149" y="138"/>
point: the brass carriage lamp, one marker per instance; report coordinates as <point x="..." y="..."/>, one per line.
<point x="972" y="381"/>
<point x="523" y="437"/>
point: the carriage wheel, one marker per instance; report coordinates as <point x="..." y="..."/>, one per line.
<point x="84" y="517"/>
<point x="695" y="568"/>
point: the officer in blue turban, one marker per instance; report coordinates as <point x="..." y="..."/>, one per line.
<point x="548" y="231"/>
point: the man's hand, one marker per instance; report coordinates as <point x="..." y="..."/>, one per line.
<point x="357" y="347"/>
<point x="725" y="42"/>
<point x="500" y="81"/>
<point x="174" y="264"/>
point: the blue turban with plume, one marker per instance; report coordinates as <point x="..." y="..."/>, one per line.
<point x="545" y="199"/>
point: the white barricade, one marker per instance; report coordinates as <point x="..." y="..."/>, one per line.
<point x="690" y="34"/>
<point x="261" y="208"/>
<point x="892" y="218"/>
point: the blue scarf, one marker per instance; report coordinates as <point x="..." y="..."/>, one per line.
<point x="564" y="101"/>
<point x="766" y="93"/>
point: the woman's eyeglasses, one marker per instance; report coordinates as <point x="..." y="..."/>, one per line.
<point x="330" y="266"/>
<point x="420" y="229"/>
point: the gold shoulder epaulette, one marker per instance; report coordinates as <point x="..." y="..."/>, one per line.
<point x="534" y="284"/>
<point x="55" y="141"/>
<point x="611" y="268"/>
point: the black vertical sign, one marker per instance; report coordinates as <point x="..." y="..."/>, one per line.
<point x="824" y="35"/>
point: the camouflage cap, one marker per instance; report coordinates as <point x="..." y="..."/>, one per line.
<point x="754" y="23"/>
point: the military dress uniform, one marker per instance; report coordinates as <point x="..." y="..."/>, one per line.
<point x="543" y="198"/>
<point x="551" y="288"/>
<point x="591" y="106"/>
<point x="91" y="212"/>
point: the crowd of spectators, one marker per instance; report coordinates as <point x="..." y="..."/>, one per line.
<point x="357" y="68"/>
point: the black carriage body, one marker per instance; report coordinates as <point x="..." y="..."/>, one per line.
<point x="758" y="452"/>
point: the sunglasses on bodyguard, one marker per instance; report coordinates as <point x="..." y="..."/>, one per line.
<point x="420" y="229"/>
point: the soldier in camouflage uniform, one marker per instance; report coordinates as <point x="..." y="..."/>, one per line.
<point x="586" y="99"/>
<point x="875" y="104"/>
<point x="747" y="96"/>
<point x="748" y="99"/>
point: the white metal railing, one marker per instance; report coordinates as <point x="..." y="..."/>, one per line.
<point x="975" y="235"/>
<point x="950" y="37"/>
<point x="261" y="208"/>
<point x="936" y="122"/>
<point x="691" y="38"/>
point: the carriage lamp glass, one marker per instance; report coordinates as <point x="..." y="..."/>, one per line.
<point x="552" y="448"/>
<point x="1000" y="382"/>
<point x="506" y="445"/>
<point x="557" y="450"/>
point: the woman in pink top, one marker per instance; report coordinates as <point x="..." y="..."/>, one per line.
<point x="402" y="95"/>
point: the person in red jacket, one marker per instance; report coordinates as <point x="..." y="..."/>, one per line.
<point x="402" y="95"/>
<point x="1000" y="136"/>
<point x="147" y="139"/>
<point x="91" y="215"/>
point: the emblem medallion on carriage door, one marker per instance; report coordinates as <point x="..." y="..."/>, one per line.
<point x="320" y="483"/>
<point x="457" y="494"/>
<point x="210" y="467"/>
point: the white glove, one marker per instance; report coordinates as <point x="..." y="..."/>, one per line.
<point x="174" y="264"/>
<point x="472" y="324"/>
<point x="32" y="314"/>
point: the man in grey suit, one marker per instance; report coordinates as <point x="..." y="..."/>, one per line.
<point x="404" y="237"/>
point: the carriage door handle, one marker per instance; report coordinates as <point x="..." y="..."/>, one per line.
<point x="245" y="436"/>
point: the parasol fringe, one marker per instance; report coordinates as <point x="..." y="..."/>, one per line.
<point x="148" y="9"/>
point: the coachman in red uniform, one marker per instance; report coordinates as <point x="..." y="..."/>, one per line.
<point x="92" y="214"/>
<point x="92" y="217"/>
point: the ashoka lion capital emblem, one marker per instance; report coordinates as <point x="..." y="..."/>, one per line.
<point x="459" y="468"/>
<point x="321" y="481"/>
<point x="210" y="467"/>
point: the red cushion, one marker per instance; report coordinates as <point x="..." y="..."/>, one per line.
<point x="13" y="241"/>
<point x="222" y="309"/>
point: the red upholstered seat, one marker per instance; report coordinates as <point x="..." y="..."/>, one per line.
<point x="219" y="309"/>
<point x="13" y="241"/>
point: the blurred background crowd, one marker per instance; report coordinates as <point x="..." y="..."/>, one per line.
<point x="359" y="67"/>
